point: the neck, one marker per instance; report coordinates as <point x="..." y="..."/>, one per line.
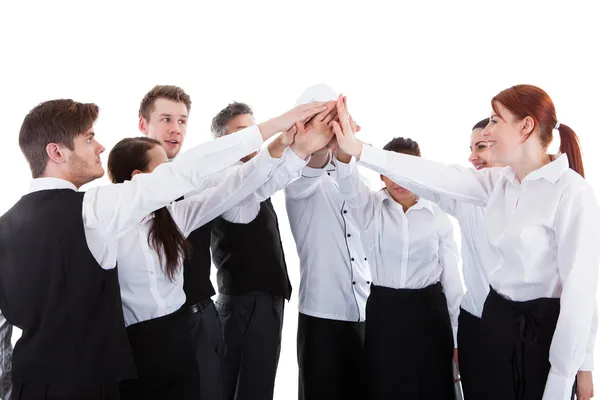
<point x="407" y="203"/>
<point x="532" y="158"/>
<point x="64" y="175"/>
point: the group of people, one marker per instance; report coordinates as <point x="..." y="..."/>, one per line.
<point x="111" y="287"/>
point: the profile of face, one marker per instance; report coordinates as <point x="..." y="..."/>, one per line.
<point x="156" y="156"/>
<point x="505" y="135"/>
<point x="398" y="193"/>
<point x="167" y="124"/>
<point x="238" y="123"/>
<point x="480" y="152"/>
<point x="82" y="164"/>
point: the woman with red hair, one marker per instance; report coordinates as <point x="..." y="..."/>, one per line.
<point x="542" y="218"/>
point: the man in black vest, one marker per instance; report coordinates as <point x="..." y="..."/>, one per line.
<point x="58" y="281"/>
<point x="253" y="285"/>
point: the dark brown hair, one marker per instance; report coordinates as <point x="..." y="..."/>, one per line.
<point x="528" y="100"/>
<point x="403" y="145"/>
<point x="55" y="121"/>
<point x="131" y="154"/>
<point x="168" y="92"/>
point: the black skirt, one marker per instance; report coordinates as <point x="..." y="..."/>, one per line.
<point x="409" y="345"/>
<point x="165" y="359"/>
<point x="516" y="338"/>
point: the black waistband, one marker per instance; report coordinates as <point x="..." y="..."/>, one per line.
<point x="423" y="293"/>
<point x="156" y="323"/>
<point x="200" y="306"/>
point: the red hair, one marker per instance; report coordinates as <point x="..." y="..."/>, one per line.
<point x="528" y="100"/>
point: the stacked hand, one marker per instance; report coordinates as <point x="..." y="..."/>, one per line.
<point x="345" y="129"/>
<point x="316" y="133"/>
<point x="285" y="121"/>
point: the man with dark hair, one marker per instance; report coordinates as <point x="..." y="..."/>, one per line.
<point x="58" y="281"/>
<point x="253" y="280"/>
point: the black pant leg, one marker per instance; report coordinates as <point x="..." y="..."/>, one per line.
<point x="207" y="338"/>
<point x="470" y="359"/>
<point x="261" y="349"/>
<point x="330" y="359"/>
<point x="36" y="391"/>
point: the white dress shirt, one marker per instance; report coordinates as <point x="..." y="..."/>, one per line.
<point x="545" y="230"/>
<point x="146" y="291"/>
<point x="109" y="211"/>
<point x="409" y="250"/>
<point x="334" y="270"/>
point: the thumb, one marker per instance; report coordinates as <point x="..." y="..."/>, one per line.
<point x="337" y="129"/>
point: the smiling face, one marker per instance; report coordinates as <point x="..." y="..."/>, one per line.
<point x="167" y="124"/>
<point x="480" y="152"/>
<point x="505" y="135"/>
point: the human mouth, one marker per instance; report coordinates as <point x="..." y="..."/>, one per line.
<point x="479" y="166"/>
<point x="491" y="143"/>
<point x="172" y="142"/>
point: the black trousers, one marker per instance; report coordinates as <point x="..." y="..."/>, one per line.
<point x="37" y="391"/>
<point x="409" y="345"/>
<point x="252" y="327"/>
<point x="164" y="357"/>
<point x="207" y="338"/>
<point x="470" y="360"/>
<point x="516" y="338"/>
<point x="331" y="359"/>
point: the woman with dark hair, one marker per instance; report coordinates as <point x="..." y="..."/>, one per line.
<point x="150" y="260"/>
<point x="412" y="311"/>
<point x="542" y="218"/>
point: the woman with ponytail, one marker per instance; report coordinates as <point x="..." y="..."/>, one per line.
<point x="542" y="218"/>
<point x="150" y="260"/>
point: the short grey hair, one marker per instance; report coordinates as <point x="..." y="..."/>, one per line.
<point x="219" y="123"/>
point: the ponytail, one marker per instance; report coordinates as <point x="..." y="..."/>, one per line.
<point x="569" y="145"/>
<point x="168" y="241"/>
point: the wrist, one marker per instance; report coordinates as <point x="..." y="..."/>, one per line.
<point x="276" y="148"/>
<point x="298" y="151"/>
<point x="267" y="129"/>
<point x="357" y="150"/>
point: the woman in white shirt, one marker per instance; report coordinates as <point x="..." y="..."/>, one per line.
<point x="412" y="311"/>
<point x="543" y="219"/>
<point x="150" y="269"/>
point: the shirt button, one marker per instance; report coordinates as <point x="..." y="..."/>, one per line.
<point x="368" y="283"/>
<point x="349" y="235"/>
<point x="365" y="258"/>
<point x="345" y="211"/>
<point x="354" y="282"/>
<point x="151" y="272"/>
<point x="328" y="174"/>
<point x="352" y="259"/>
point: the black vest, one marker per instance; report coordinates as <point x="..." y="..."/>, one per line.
<point x="249" y="257"/>
<point x="196" y="270"/>
<point x="53" y="289"/>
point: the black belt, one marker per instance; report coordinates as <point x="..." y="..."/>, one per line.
<point x="200" y="306"/>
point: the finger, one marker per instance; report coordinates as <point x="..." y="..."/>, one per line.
<point x="322" y="115"/>
<point x="358" y="128"/>
<point x="307" y="114"/>
<point x="336" y="129"/>
<point x="331" y="116"/>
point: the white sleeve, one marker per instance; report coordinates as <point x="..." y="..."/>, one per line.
<point x="448" y="259"/>
<point x="588" y="360"/>
<point x="577" y="229"/>
<point x="357" y="194"/>
<point x="432" y="179"/>
<point x="285" y="172"/>
<point x="306" y="185"/>
<point x="111" y="210"/>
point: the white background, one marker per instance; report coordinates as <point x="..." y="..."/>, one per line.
<point x="426" y="70"/>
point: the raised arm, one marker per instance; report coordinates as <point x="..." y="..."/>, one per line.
<point x="112" y="209"/>
<point x="415" y="173"/>
<point x="577" y="228"/>
<point x="355" y="191"/>
<point x="238" y="193"/>
<point x="5" y="358"/>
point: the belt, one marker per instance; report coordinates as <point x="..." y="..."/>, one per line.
<point x="200" y="306"/>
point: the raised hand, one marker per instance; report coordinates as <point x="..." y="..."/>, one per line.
<point x="343" y="130"/>
<point x="288" y="119"/>
<point x="585" y="385"/>
<point x="316" y="134"/>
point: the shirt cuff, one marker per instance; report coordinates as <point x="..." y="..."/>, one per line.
<point x="292" y="163"/>
<point x="344" y="170"/>
<point x="588" y="362"/>
<point x="371" y="155"/>
<point x="558" y="387"/>
<point x="308" y="172"/>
